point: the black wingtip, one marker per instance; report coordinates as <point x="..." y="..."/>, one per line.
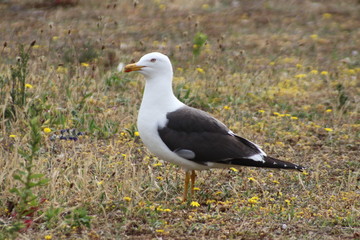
<point x="277" y="163"/>
<point x="268" y="162"/>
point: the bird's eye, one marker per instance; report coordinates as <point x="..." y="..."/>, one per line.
<point x="153" y="60"/>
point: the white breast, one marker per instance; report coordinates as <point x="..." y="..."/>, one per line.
<point x="149" y="120"/>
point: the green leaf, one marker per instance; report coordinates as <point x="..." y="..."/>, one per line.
<point x="14" y="190"/>
<point x="23" y="153"/>
<point x="32" y="184"/>
<point x="17" y="177"/>
<point x="43" y="181"/>
<point x="21" y="172"/>
<point x="36" y="175"/>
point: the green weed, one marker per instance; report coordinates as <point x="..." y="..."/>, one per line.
<point x="15" y="84"/>
<point x="78" y="217"/>
<point x="52" y="217"/>
<point x="28" y="201"/>
<point x="199" y="42"/>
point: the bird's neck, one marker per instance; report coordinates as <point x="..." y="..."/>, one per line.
<point x="159" y="93"/>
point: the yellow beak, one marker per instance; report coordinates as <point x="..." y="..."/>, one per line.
<point x="132" y="67"/>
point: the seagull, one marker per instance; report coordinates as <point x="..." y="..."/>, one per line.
<point x="185" y="136"/>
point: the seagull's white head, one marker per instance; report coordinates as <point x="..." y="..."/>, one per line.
<point x="152" y="65"/>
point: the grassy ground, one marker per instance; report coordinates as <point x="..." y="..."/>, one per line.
<point x="284" y="74"/>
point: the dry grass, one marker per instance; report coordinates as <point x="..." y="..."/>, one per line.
<point x="282" y="73"/>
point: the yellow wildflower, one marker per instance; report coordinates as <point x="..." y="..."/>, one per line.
<point x="28" y="85"/>
<point x="195" y="204"/>
<point x="47" y="130"/>
<point x="234" y="169"/>
<point x="159" y="230"/>
<point x="166" y="210"/>
<point x="326" y="15"/>
<point x="205" y="6"/>
<point x="55" y="38"/>
<point x="196" y="189"/>
<point x="61" y="69"/>
<point x="324" y="73"/>
<point x="299" y="65"/>
<point x="136" y="133"/>
<point x="251" y="179"/>
<point x="157" y="164"/>
<point x="226" y="107"/>
<point x="275" y="181"/>
<point x="328" y="129"/>
<point x="128" y="199"/>
<point x="314" y="36"/>
<point x="272" y="63"/>
<point x="159" y="178"/>
<point x="328" y="110"/>
<point x="288" y="60"/>
<point x="314" y="72"/>
<point x="100" y="183"/>
<point x="84" y="64"/>
<point x="276" y="113"/>
<point x="253" y="200"/>
<point x="162" y="7"/>
<point x="261" y="111"/>
<point x="48" y="237"/>
<point x="200" y="70"/>
<point x="12" y="136"/>
<point x="351" y="71"/>
<point x="156" y="43"/>
<point x="306" y="107"/>
<point x="294" y="118"/>
<point x="180" y="69"/>
<point x="287" y="201"/>
<point x="303" y="75"/>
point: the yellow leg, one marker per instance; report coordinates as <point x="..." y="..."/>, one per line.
<point x="187" y="178"/>
<point x="193" y="176"/>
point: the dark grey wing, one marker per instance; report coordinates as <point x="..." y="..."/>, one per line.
<point x="195" y="135"/>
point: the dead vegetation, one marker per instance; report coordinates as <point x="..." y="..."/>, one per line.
<point x="282" y="73"/>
